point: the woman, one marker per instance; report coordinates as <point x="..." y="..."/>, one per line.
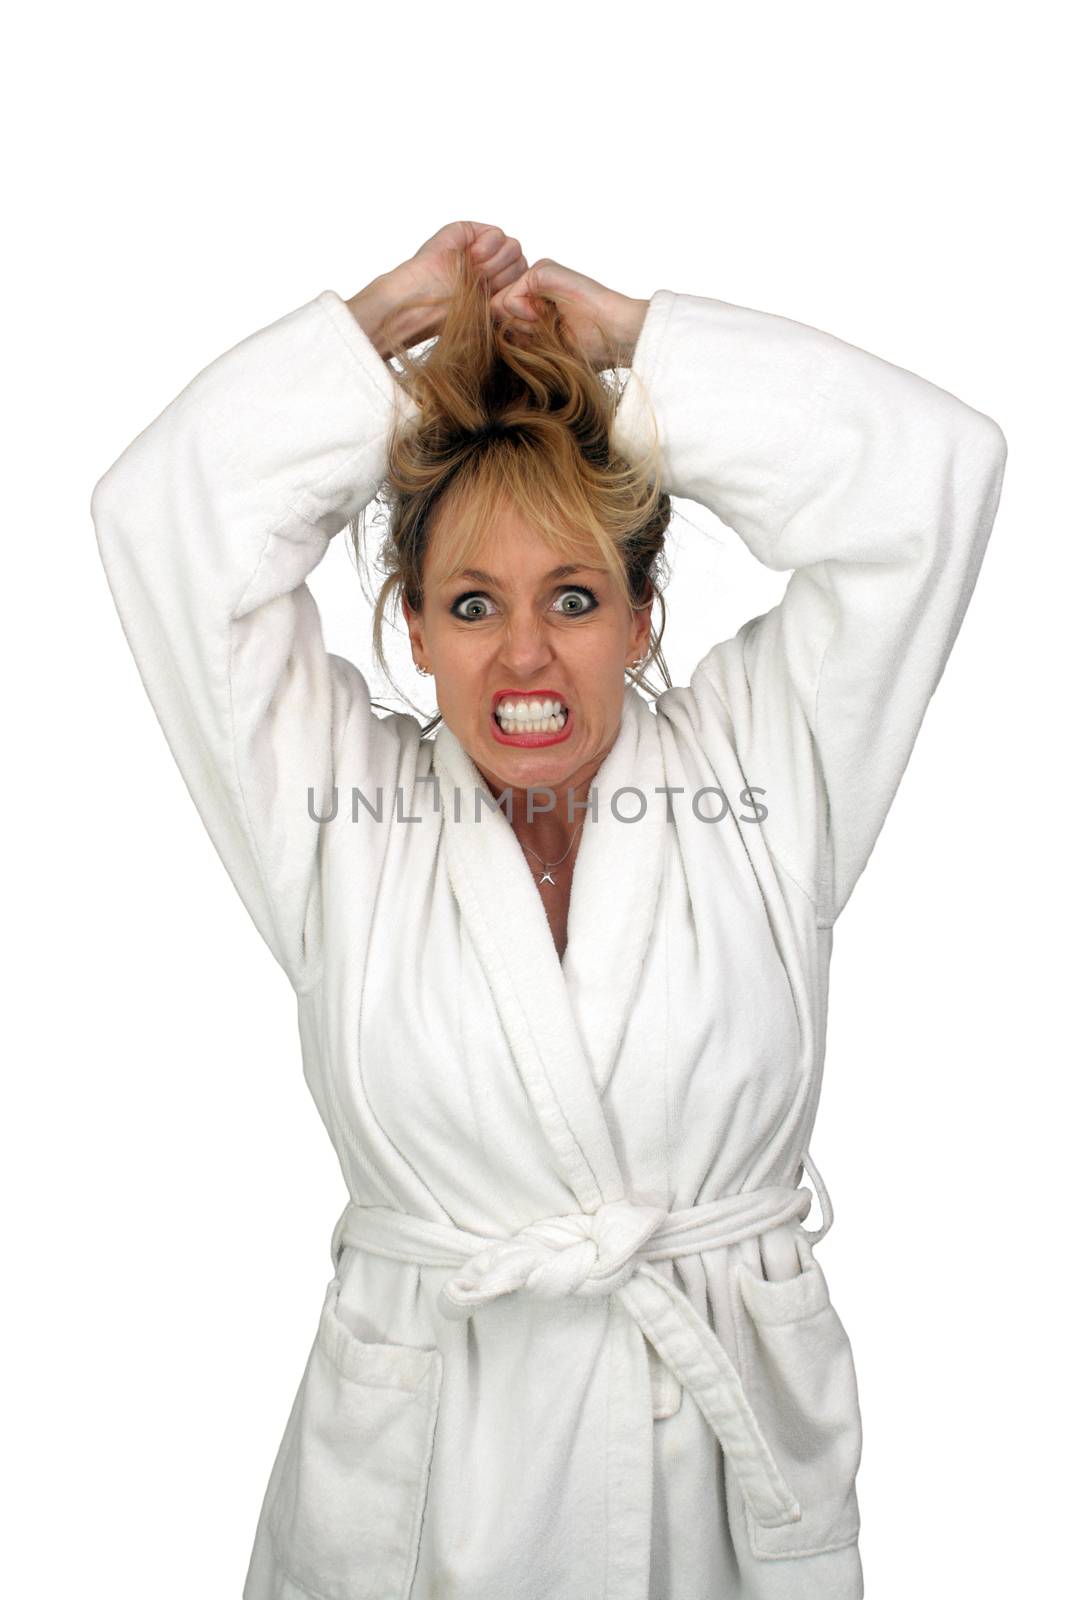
<point x="576" y="1342"/>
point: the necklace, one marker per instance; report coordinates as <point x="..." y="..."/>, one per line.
<point x="550" y="866"/>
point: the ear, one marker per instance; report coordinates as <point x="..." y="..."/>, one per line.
<point x="641" y="624"/>
<point x="414" y="624"/>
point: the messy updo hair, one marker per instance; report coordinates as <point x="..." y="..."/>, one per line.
<point x="513" y="411"/>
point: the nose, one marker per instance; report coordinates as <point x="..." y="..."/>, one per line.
<point x="526" y="649"/>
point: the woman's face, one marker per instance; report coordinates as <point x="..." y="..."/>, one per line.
<point x="516" y="631"/>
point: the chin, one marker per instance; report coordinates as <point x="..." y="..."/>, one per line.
<point x="522" y="769"/>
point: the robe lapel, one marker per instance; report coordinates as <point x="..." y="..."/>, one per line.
<point x="616" y="885"/>
<point x="564" y="1022"/>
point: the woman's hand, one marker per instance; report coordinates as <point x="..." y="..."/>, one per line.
<point x="429" y="273"/>
<point x="603" y="323"/>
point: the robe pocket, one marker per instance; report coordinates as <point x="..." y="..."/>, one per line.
<point x="346" y="1510"/>
<point x="796" y="1365"/>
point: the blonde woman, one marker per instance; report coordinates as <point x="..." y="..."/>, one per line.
<point x="560" y="954"/>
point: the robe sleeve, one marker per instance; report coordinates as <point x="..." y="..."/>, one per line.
<point x="208" y="525"/>
<point x="878" y="491"/>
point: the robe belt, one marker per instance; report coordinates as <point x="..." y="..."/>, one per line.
<point x="591" y="1255"/>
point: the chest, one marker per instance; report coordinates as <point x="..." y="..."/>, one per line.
<point x="484" y="1029"/>
<point x="554" y="889"/>
<point x="701" y="1060"/>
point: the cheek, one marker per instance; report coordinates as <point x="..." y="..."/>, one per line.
<point x="460" y="669"/>
<point x="597" y="654"/>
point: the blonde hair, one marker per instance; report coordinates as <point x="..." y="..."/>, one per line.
<point x="513" y="411"/>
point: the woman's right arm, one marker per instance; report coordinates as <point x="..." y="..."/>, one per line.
<point x="208" y="525"/>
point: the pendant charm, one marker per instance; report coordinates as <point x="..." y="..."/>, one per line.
<point x="546" y="877"/>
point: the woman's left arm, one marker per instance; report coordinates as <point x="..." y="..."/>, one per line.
<point x="878" y="490"/>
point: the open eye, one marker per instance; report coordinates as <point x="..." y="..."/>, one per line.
<point x="472" y="607"/>
<point x="576" y="602"/>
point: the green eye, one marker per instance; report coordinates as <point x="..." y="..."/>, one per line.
<point x="572" y="602"/>
<point x="466" y="607"/>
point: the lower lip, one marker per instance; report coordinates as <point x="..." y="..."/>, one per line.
<point x="530" y="741"/>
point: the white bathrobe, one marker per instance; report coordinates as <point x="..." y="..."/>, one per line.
<point x="576" y="1343"/>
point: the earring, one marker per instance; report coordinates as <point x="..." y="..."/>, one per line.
<point x="638" y="663"/>
<point x="424" y="671"/>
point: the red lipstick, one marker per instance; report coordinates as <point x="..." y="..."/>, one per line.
<point x="530" y="741"/>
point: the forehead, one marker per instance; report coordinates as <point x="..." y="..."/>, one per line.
<point x="513" y="577"/>
<point x="500" y="545"/>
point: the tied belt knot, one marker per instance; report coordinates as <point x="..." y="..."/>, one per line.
<point x="609" y="1252"/>
<point x="587" y="1254"/>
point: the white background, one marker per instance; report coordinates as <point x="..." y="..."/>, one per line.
<point x="181" y="176"/>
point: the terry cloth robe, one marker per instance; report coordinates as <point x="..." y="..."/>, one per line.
<point x="576" y="1341"/>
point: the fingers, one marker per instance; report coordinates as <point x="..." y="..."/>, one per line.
<point x="509" y="276"/>
<point x="499" y="261"/>
<point x="515" y="299"/>
<point x="487" y="245"/>
<point x="511" y="300"/>
<point x="492" y="253"/>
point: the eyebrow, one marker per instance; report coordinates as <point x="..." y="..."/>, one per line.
<point x="487" y="577"/>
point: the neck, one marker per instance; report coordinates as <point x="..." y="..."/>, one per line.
<point x="546" y="816"/>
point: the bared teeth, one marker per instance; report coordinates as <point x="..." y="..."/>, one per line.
<point x="536" y="715"/>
